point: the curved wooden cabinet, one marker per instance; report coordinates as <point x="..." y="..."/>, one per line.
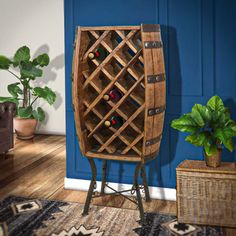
<point x="134" y="65"/>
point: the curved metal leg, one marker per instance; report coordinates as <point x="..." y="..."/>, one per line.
<point x="104" y="168"/>
<point x="144" y="177"/>
<point x="136" y="185"/>
<point x="91" y="187"/>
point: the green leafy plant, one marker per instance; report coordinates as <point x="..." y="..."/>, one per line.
<point x="22" y="93"/>
<point x="209" y="126"/>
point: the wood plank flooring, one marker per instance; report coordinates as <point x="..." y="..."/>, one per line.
<point x="36" y="168"/>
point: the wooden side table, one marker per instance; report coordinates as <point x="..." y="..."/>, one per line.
<point x="206" y="195"/>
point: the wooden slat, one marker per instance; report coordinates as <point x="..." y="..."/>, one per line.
<point x="149" y="93"/>
<point x="117" y="133"/>
<point x="76" y="85"/>
<point x="130" y="44"/>
<point x="111" y="84"/>
<point x="108" y="58"/>
<point x="123" y="138"/>
<point x="136" y="27"/>
<point x="96" y="44"/>
<point x="99" y="138"/>
<point x="119" y="57"/>
<point x="159" y="90"/>
<point x="130" y="70"/>
<point x="125" y="117"/>
<point x="134" y="96"/>
<point x="116" y="106"/>
<point x="102" y="92"/>
<point x="136" y="140"/>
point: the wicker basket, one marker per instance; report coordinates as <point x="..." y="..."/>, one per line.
<point x="206" y="195"/>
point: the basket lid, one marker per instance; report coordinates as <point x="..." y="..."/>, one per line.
<point x="200" y="166"/>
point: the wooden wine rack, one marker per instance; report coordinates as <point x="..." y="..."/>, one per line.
<point x="134" y="66"/>
<point x="134" y="69"/>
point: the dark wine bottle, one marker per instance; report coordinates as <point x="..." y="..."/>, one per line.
<point x="114" y="95"/>
<point x="99" y="53"/>
<point x="114" y="121"/>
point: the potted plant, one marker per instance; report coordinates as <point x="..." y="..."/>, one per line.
<point x="23" y="94"/>
<point x="209" y="126"/>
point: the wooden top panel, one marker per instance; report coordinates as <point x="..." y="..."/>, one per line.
<point x="200" y="166"/>
<point x="128" y="27"/>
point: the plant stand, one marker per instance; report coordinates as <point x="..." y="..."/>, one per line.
<point x="140" y="169"/>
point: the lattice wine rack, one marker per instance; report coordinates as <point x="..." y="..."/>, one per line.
<point x="119" y="96"/>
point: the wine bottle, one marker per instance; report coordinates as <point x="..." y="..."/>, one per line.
<point x="114" y="95"/>
<point x="99" y="53"/>
<point x="114" y="121"/>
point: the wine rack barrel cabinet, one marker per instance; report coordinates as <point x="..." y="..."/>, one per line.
<point x="128" y="61"/>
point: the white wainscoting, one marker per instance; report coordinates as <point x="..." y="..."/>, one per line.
<point x="155" y="192"/>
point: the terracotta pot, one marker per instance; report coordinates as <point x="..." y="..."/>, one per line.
<point x="214" y="160"/>
<point x="25" y="128"/>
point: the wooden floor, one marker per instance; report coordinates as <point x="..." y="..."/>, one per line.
<point x="36" y="168"/>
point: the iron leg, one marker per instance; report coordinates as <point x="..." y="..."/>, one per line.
<point x="91" y="187"/>
<point x="143" y="174"/>
<point x="104" y="168"/>
<point x="140" y="203"/>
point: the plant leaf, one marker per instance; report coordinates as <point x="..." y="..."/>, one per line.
<point x="232" y="125"/>
<point x="42" y="60"/>
<point x="46" y="93"/>
<point x="210" y="149"/>
<point x="28" y="70"/>
<point x="196" y="114"/>
<point x="4" y="63"/>
<point x="9" y="99"/>
<point x="14" y="89"/>
<point x="225" y="135"/>
<point x="22" y="54"/>
<point x="198" y="139"/>
<point x="25" y="112"/>
<point x="227" y="114"/>
<point x="215" y="104"/>
<point x="185" y="124"/>
<point x="39" y="114"/>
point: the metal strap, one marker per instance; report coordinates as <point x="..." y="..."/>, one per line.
<point x="151" y="28"/>
<point x="152" y="44"/>
<point x="155" y="78"/>
<point x="152" y="155"/>
<point x="153" y="141"/>
<point x="156" y="110"/>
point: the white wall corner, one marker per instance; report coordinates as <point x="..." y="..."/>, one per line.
<point x="155" y="192"/>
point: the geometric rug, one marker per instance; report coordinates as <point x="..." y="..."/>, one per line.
<point x="21" y="216"/>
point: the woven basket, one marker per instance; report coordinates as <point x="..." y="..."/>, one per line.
<point x="206" y="195"/>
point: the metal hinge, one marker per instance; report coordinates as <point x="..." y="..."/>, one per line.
<point x="153" y="141"/>
<point x="155" y="111"/>
<point x="155" y="78"/>
<point x="152" y="44"/>
<point x="73" y="107"/>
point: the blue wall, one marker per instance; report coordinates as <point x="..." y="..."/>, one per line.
<point x="200" y="53"/>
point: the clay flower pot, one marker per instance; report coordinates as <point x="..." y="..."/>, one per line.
<point x="25" y="128"/>
<point x="214" y="160"/>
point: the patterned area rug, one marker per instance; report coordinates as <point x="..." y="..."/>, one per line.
<point x="22" y="216"/>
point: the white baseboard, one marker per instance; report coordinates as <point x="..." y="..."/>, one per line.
<point x="155" y="192"/>
<point x="50" y="132"/>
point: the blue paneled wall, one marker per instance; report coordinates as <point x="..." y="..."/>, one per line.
<point x="200" y="54"/>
